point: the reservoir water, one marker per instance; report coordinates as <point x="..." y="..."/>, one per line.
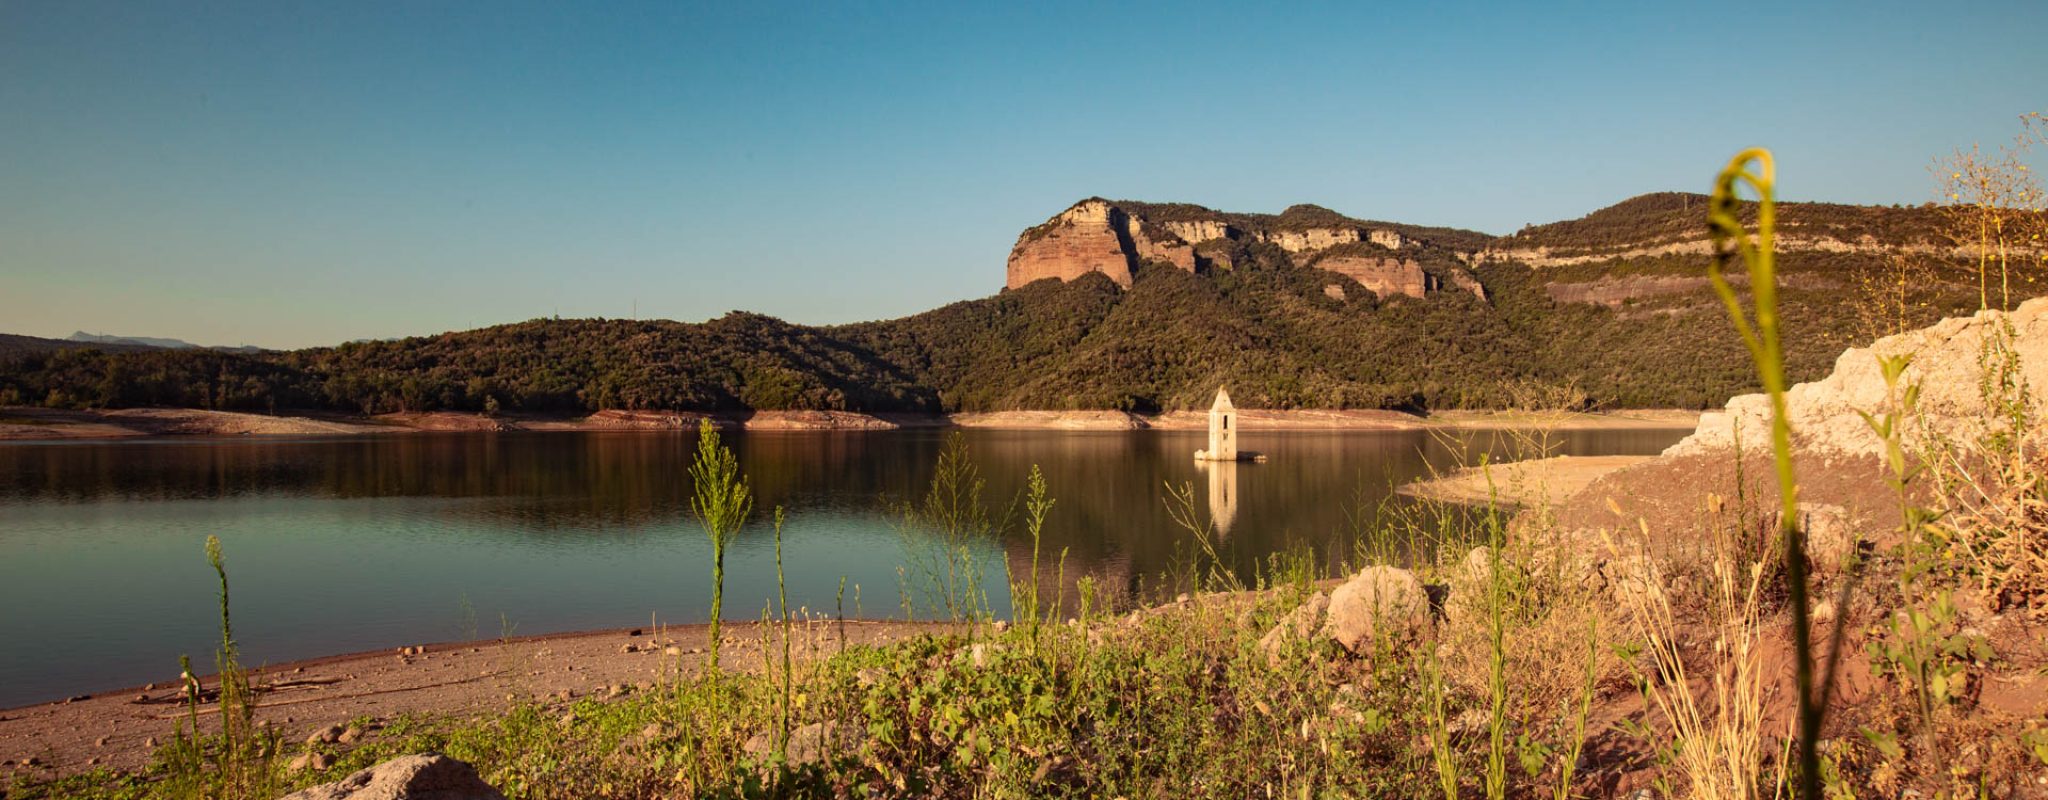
<point x="338" y="545"/>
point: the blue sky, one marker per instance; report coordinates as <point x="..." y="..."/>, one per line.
<point x="299" y="173"/>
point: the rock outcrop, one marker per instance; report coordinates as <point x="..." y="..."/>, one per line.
<point x="1116" y="238"/>
<point x="1094" y="236"/>
<point x="1949" y="361"/>
<point x="1385" y="277"/>
<point x="421" y="777"/>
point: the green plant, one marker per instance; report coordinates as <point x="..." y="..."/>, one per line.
<point x="1037" y="504"/>
<point x="722" y="500"/>
<point x="1762" y="336"/>
<point x="942" y="535"/>
<point x="1209" y="572"/>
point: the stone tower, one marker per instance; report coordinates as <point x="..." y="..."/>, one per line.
<point x="1222" y="429"/>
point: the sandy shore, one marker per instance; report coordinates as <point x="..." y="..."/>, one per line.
<point x="116" y="728"/>
<point x="1545" y="481"/>
<point x="37" y="424"/>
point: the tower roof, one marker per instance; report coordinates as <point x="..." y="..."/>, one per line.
<point x="1222" y="401"/>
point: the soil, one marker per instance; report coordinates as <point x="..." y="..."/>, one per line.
<point x="115" y="729"/>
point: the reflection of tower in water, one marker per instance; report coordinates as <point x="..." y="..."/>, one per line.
<point x="1222" y="493"/>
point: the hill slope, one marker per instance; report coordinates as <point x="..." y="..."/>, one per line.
<point x="1306" y="308"/>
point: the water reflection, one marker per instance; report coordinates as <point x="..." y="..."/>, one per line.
<point x="341" y="544"/>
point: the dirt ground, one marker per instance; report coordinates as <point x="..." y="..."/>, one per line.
<point x="120" y="729"/>
<point x="1543" y="481"/>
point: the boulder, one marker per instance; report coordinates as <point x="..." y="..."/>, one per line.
<point x="418" y="777"/>
<point x="1465" y="600"/>
<point x="1301" y="623"/>
<point x="1830" y="538"/>
<point x="1380" y="602"/>
<point x="808" y="744"/>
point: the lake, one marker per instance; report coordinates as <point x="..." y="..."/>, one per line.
<point x="347" y="544"/>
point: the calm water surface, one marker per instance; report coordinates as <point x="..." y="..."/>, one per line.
<point x="339" y="545"/>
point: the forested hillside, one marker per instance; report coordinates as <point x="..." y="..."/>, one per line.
<point x="1636" y="331"/>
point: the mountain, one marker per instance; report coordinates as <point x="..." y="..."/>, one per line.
<point x="12" y="345"/>
<point x="147" y="341"/>
<point x="1149" y="307"/>
<point x="142" y="341"/>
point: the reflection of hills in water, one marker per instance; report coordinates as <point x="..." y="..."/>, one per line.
<point x="1108" y="485"/>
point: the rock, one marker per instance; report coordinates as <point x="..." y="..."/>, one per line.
<point x="1830" y="539"/>
<point x="629" y="648"/>
<point x="807" y="744"/>
<point x="1631" y="578"/>
<point x="1823" y="413"/>
<point x="1385" y="277"/>
<point x="1380" y="602"/>
<point x="350" y="736"/>
<point x="327" y="735"/>
<point x="420" y="777"/>
<point x="672" y="650"/>
<point x="635" y="632"/>
<point x="1093" y="236"/>
<point x="1466" y="599"/>
<point x="1301" y="623"/>
<point x="100" y="742"/>
<point x="617" y="690"/>
<point x="149" y="743"/>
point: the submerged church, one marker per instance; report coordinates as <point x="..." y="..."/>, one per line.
<point x="1223" y="433"/>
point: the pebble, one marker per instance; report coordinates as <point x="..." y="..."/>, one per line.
<point x="629" y="648"/>
<point x="673" y="651"/>
<point x="350" y="736"/>
<point x="142" y="698"/>
<point x="100" y="742"/>
<point x="327" y="735"/>
<point x="634" y="632"/>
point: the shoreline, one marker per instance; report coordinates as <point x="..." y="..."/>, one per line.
<point x="114" y="728"/>
<point x="28" y="424"/>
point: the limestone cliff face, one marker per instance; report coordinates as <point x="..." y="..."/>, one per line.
<point x="1115" y="239"/>
<point x="1093" y="236"/>
<point x="1385" y="277"/>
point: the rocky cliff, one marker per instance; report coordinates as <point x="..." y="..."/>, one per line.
<point x="1115" y="238"/>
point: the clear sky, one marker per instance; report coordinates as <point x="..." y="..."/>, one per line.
<point x="292" y="173"/>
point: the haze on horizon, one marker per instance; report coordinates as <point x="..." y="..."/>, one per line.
<point x="301" y="174"/>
